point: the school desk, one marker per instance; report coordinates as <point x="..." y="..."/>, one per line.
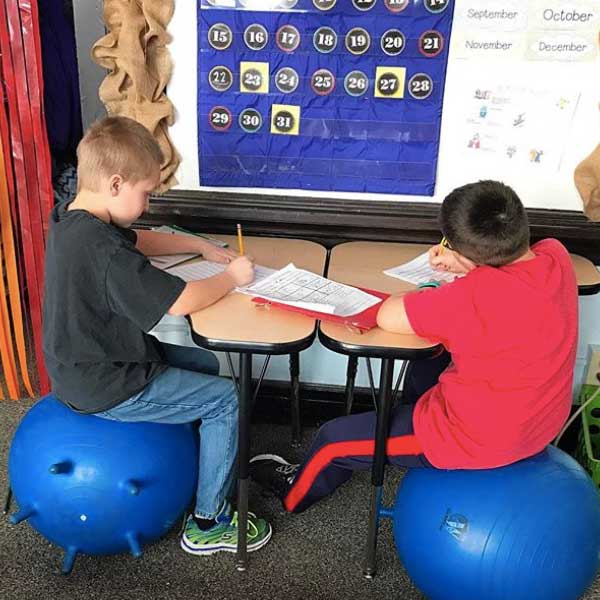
<point x="362" y="264"/>
<point x="236" y="324"/>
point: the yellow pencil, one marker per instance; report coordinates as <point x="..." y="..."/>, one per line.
<point x="443" y="244"/>
<point x="240" y="240"/>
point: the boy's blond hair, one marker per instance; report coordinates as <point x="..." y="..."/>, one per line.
<point x="116" y="146"/>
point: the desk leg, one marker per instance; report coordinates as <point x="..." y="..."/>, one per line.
<point x="8" y="500"/>
<point x="295" y="397"/>
<point x="377" y="472"/>
<point x="244" y="456"/>
<point x="350" y="379"/>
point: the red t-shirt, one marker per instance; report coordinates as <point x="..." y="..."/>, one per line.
<point x="512" y="333"/>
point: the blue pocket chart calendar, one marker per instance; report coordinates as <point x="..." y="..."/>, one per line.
<point x="335" y="95"/>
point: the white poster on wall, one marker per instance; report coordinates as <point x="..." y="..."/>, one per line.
<point x="524" y="126"/>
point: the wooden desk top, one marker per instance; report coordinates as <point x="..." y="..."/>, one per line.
<point x="235" y="323"/>
<point x="588" y="276"/>
<point x="362" y="264"/>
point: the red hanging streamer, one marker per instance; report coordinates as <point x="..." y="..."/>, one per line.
<point x="23" y="80"/>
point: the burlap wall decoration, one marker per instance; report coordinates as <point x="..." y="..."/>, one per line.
<point x="587" y="181"/>
<point x="135" y="52"/>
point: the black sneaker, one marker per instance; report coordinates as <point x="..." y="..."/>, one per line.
<point x="273" y="473"/>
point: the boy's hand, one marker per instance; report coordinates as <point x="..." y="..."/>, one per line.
<point x="241" y="269"/>
<point x="444" y="259"/>
<point x="218" y="254"/>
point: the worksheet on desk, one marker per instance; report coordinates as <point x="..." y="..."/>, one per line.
<point x="419" y="271"/>
<point x="304" y="289"/>
<point x="203" y="269"/>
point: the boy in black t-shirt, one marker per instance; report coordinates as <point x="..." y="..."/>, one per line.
<point x="102" y="296"/>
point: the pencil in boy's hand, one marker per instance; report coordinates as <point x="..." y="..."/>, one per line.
<point x="443" y="244"/>
<point x="240" y="240"/>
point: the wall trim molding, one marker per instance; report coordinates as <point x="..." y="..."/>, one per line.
<point x="318" y="402"/>
<point x="331" y="221"/>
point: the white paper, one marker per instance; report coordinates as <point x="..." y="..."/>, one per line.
<point x="510" y="124"/>
<point x="304" y="289"/>
<point x="419" y="271"/>
<point x="203" y="269"/>
<point x="165" y="261"/>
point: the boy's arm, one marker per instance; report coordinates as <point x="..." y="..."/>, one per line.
<point x="197" y="295"/>
<point x="155" y="243"/>
<point x="392" y="316"/>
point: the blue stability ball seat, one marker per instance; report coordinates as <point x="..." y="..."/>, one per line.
<point x="98" y="486"/>
<point x="529" y="530"/>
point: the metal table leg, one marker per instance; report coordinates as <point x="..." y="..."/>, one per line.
<point x="350" y="379"/>
<point x="245" y="398"/>
<point x="379" y="459"/>
<point x="8" y="500"/>
<point x="295" y="397"/>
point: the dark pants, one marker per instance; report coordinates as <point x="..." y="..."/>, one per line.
<point x="344" y="445"/>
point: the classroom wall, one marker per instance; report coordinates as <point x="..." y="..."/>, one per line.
<point x="520" y="74"/>
<point x="519" y="69"/>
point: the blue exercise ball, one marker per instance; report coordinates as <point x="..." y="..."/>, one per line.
<point x="98" y="486"/>
<point x="528" y="530"/>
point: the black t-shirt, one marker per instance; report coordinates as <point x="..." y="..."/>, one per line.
<point x="101" y="297"/>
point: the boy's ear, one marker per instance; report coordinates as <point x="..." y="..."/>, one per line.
<point x="115" y="184"/>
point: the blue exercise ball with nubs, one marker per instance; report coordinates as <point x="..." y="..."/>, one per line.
<point x="528" y="530"/>
<point x="98" y="486"/>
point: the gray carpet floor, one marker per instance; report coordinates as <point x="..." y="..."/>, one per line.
<point x="315" y="555"/>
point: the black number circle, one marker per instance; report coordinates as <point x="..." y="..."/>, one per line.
<point x="324" y="4"/>
<point x="358" y="40"/>
<point x="252" y="79"/>
<point x="220" y="118"/>
<point x="364" y="4"/>
<point x="250" y="120"/>
<point x="287" y="38"/>
<point x="287" y="80"/>
<point x="420" y="86"/>
<point x="388" y="84"/>
<point x="393" y="42"/>
<point x="431" y="43"/>
<point x="436" y="6"/>
<point x="220" y="78"/>
<point x="256" y="37"/>
<point x="220" y="36"/>
<point x="396" y="6"/>
<point x="325" y="40"/>
<point x="356" y="83"/>
<point x="284" y="121"/>
<point x="322" y="82"/>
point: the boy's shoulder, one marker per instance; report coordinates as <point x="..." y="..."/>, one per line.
<point x="552" y="257"/>
<point x="550" y="246"/>
<point x="69" y="225"/>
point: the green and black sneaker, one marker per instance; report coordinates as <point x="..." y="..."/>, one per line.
<point x="223" y="536"/>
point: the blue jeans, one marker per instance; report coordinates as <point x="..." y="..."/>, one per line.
<point x="187" y="391"/>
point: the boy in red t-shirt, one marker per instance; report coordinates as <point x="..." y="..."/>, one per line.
<point x="510" y="327"/>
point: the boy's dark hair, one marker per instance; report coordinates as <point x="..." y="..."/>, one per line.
<point x="486" y="222"/>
